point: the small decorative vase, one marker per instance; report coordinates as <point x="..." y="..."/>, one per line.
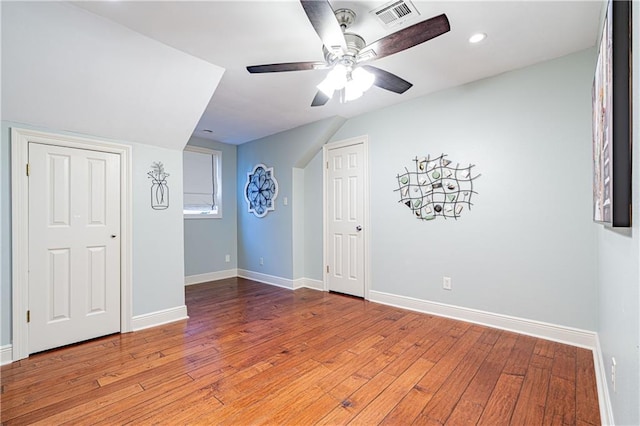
<point x="159" y="196"/>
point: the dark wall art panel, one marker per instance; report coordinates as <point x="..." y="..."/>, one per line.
<point x="612" y="119"/>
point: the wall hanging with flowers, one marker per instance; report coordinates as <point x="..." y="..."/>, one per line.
<point x="159" y="187"/>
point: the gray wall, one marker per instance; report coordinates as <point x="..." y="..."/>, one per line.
<point x="619" y="277"/>
<point x="158" y="271"/>
<point x="527" y="247"/>
<point x="208" y="241"/>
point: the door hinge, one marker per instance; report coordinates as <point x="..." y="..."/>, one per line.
<point x="28" y="169"/>
<point x="28" y="316"/>
<point x="327" y="164"/>
<point x="327" y="269"/>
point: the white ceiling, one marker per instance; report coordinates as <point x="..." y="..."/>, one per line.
<point x="64" y="68"/>
<point x="234" y="34"/>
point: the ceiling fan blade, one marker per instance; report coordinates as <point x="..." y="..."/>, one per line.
<point x="289" y="66"/>
<point x="320" y="99"/>
<point x="388" y="81"/>
<point x="324" y="21"/>
<point x="408" y="37"/>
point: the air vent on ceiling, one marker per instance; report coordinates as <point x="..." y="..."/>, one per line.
<point x="396" y="13"/>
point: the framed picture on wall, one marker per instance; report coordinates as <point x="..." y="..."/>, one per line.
<point x="612" y="119"/>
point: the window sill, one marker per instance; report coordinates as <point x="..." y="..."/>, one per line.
<point x="203" y="216"/>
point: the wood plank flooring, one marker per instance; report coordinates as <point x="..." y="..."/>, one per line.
<point x="256" y="354"/>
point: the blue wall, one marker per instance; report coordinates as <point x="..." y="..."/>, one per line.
<point x="313" y="209"/>
<point x="271" y="237"/>
<point x="208" y="241"/>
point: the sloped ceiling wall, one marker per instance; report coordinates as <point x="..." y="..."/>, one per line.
<point x="64" y="68"/>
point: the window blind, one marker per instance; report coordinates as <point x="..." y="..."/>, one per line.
<point x="198" y="181"/>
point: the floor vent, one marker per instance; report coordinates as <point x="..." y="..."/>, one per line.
<point x="396" y="13"/>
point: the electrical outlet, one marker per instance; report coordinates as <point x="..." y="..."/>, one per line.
<point x="613" y="373"/>
<point x="285" y="201"/>
<point x="227" y="258"/>
<point x="446" y="283"/>
<point x="262" y="261"/>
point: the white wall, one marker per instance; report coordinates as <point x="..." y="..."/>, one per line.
<point x="158" y="278"/>
<point x="5" y="237"/>
<point x="528" y="247"/>
<point x="67" y="71"/>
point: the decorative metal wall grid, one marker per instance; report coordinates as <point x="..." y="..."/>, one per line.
<point x="159" y="187"/>
<point x="436" y="188"/>
<point x="261" y="190"/>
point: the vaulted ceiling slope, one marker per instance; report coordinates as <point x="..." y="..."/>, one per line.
<point x="67" y="69"/>
<point x="234" y="34"/>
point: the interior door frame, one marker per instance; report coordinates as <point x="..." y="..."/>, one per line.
<point x="20" y="139"/>
<point x="366" y="231"/>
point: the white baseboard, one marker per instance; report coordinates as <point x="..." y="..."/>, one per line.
<point x="210" y="276"/>
<point x="139" y="322"/>
<point x="606" y="410"/>
<point x="152" y="319"/>
<point x="308" y="283"/>
<point x="266" y="279"/>
<point x="6" y="354"/>
<point x="571" y="336"/>
<point x="255" y="276"/>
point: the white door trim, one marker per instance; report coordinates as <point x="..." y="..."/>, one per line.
<point x="20" y="139"/>
<point x="366" y="231"/>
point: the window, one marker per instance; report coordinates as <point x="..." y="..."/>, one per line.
<point x="202" y="183"/>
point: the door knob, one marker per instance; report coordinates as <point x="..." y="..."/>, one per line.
<point x="358" y="228"/>
<point x="113" y="235"/>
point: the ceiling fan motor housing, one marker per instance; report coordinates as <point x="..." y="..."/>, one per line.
<point x="355" y="43"/>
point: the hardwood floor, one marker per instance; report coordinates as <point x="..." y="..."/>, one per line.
<point x="256" y="354"/>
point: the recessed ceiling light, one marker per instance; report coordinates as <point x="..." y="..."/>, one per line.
<point x="477" y="38"/>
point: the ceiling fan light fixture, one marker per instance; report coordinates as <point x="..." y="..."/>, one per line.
<point x="336" y="79"/>
<point x="338" y="76"/>
<point x="363" y="79"/>
<point x="326" y="87"/>
<point x="352" y="91"/>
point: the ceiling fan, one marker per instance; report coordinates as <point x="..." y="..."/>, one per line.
<point x="345" y="53"/>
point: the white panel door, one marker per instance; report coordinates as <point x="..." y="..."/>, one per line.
<point x="74" y="245"/>
<point x="345" y="209"/>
